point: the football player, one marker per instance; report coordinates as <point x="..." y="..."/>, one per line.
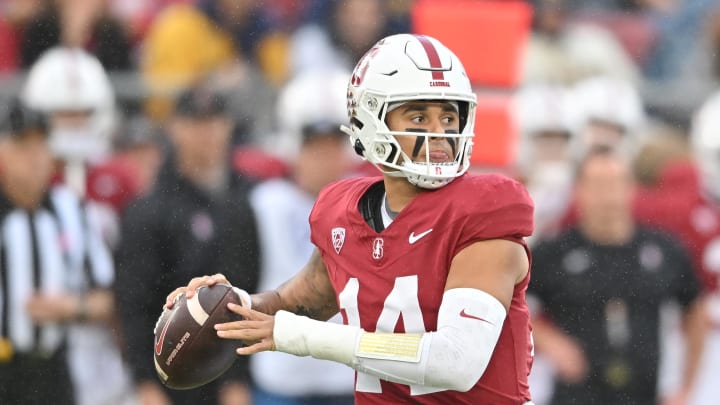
<point x="683" y="199"/>
<point x="542" y="114"/>
<point x="427" y="264"/>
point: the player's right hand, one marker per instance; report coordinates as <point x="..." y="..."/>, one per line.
<point x="192" y="286"/>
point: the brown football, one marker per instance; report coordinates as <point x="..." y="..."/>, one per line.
<point x="188" y="352"/>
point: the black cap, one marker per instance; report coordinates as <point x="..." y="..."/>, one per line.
<point x="321" y="128"/>
<point x="16" y="118"/>
<point x="200" y="102"/>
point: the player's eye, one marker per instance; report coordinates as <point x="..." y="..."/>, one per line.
<point x="417" y="119"/>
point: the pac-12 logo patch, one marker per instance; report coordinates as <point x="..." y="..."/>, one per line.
<point x="338" y="239"/>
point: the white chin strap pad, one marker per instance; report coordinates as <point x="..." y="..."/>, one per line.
<point x="454" y="357"/>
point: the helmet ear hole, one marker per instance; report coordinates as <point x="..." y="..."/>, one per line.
<point x="386" y="152"/>
<point x="359" y="148"/>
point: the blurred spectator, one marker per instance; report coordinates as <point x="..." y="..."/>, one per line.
<point x="55" y="272"/>
<point x="20" y="11"/>
<point x="181" y="46"/>
<point x="684" y="69"/>
<point x="351" y="28"/>
<point x="601" y="284"/>
<point x="679" y="24"/>
<point x="197" y="220"/>
<point x="310" y="110"/>
<point x="14" y="16"/>
<point x="249" y="97"/>
<point x="562" y="51"/>
<point x="137" y="142"/>
<point x="8" y="47"/>
<point x="245" y="20"/>
<point x="83" y="24"/>
<point x="600" y="6"/>
<point x="711" y="38"/>
<point x="137" y="15"/>
<point x="187" y="43"/>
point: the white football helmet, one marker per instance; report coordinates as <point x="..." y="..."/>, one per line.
<point x="540" y="109"/>
<point x="314" y="98"/>
<point x="705" y="141"/>
<point x="402" y="68"/>
<point x="71" y="80"/>
<point x="608" y="100"/>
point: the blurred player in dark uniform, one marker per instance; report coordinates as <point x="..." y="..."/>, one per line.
<point x="427" y="264"/>
<point x="197" y="217"/>
<point x="601" y="284"/>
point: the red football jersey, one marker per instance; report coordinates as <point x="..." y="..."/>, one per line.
<point x="393" y="281"/>
<point x="678" y="206"/>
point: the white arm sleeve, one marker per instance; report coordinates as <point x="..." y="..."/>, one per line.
<point x="454" y="357"/>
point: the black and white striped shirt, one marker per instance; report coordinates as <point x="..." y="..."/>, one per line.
<point x="53" y="249"/>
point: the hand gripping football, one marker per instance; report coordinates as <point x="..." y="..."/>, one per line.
<point x="188" y="352"/>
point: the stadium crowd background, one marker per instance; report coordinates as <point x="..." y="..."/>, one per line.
<point x="554" y="78"/>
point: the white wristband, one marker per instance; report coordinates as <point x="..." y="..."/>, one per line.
<point x="244" y="297"/>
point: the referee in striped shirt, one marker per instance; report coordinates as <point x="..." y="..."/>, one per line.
<point x="53" y="270"/>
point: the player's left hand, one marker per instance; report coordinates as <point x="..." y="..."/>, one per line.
<point x="193" y="285"/>
<point x="255" y="330"/>
<point x="44" y="308"/>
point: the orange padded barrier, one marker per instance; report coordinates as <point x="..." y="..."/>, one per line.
<point x="495" y="141"/>
<point x="487" y="36"/>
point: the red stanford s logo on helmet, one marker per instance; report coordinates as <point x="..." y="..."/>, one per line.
<point x="403" y="68"/>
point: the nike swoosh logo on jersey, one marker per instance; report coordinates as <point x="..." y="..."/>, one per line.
<point x="466" y="315"/>
<point x="414" y="238"/>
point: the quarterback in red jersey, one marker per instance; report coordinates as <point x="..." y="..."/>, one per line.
<point x="427" y="264"/>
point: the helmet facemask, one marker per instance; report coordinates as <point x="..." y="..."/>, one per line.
<point x="416" y="165"/>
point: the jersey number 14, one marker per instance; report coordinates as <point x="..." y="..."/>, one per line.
<point x="403" y="299"/>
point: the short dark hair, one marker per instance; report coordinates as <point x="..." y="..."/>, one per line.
<point x="200" y="101"/>
<point x="596" y="151"/>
